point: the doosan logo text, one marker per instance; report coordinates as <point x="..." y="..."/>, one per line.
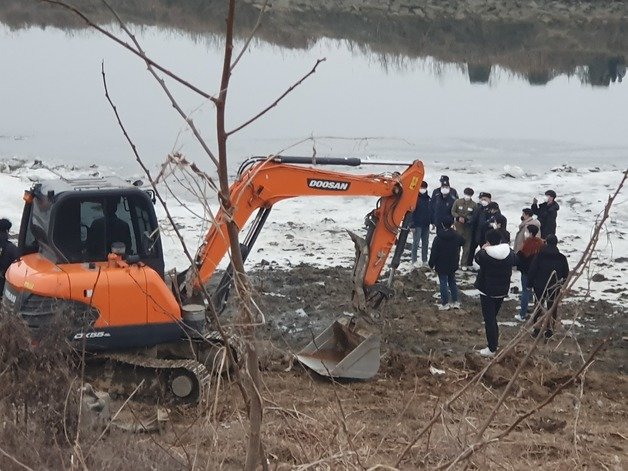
<point x="328" y="184"/>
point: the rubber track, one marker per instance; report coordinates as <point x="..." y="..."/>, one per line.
<point x="203" y="377"/>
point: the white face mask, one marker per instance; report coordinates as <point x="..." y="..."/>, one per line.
<point x="444" y="191"/>
<point x="484" y="203"/>
<point x="467" y="197"/>
<point x="423" y="191"/>
<point x="526" y="235"/>
<point x="546" y="198"/>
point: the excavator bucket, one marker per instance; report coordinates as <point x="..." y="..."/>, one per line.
<point x="343" y="351"/>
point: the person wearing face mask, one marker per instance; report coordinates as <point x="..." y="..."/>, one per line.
<point x="498" y="223"/>
<point x="444" y="182"/>
<point x="444" y="259"/>
<point x="421" y="225"/>
<point x="530" y="247"/>
<point x="462" y="211"/>
<point x="478" y="221"/>
<point x="526" y="220"/>
<point x="440" y="207"/>
<point x="492" y="210"/>
<point x="547" y="212"/>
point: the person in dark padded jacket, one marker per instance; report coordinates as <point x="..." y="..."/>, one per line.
<point x="421" y="225"/>
<point x="496" y="260"/>
<point x="8" y="251"/>
<point x="547" y="213"/>
<point x="444" y="260"/>
<point x="546" y="275"/>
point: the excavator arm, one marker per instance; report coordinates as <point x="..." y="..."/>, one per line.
<point x="262" y="182"/>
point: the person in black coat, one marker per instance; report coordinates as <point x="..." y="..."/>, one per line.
<point x="496" y="260"/>
<point x="8" y="251"/>
<point x="492" y="211"/>
<point x="444" y="260"/>
<point x="498" y="222"/>
<point x="440" y="207"/>
<point x="444" y="182"/>
<point x="421" y="225"/>
<point x="548" y="271"/>
<point x="480" y="216"/>
<point x="547" y="213"/>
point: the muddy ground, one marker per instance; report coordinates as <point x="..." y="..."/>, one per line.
<point x="355" y="424"/>
<point x="312" y="423"/>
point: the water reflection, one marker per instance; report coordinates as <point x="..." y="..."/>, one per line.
<point x="538" y="41"/>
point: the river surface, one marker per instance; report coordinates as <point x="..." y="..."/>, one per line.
<point x="52" y="104"/>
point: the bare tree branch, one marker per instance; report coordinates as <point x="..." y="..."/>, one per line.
<point x="276" y="102"/>
<point x="482" y="444"/>
<point x="251" y="36"/>
<point x="163" y="85"/>
<point x="125" y="45"/>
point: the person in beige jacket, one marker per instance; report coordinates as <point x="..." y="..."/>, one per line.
<point x="462" y="212"/>
<point x="526" y="220"/>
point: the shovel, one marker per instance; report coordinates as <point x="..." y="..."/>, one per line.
<point x="343" y="351"/>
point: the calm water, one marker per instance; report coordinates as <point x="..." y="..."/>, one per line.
<point x="53" y="106"/>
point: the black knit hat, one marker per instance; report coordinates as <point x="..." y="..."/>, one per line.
<point x="5" y="225"/>
<point x="493" y="237"/>
<point x="447" y="221"/>
<point x="551" y="193"/>
<point x="492" y="205"/>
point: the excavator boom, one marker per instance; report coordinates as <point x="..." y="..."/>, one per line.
<point x="349" y="349"/>
<point x="266" y="182"/>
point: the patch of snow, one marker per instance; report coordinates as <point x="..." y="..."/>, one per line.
<point x="571" y="322"/>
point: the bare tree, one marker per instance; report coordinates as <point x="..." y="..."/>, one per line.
<point x="250" y="374"/>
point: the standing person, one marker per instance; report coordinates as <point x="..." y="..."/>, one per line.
<point x="547" y="273"/>
<point x="421" y="225"/>
<point x="8" y="251"/>
<point x="440" y="207"/>
<point x="444" y="182"/>
<point x="492" y="210"/>
<point x="526" y="220"/>
<point x="444" y="259"/>
<point x="477" y="222"/>
<point x="496" y="260"/>
<point x="498" y="222"/>
<point x="547" y="212"/>
<point x="463" y="211"/>
<point x="530" y="247"/>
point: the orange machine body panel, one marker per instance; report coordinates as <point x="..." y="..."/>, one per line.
<point x="124" y="295"/>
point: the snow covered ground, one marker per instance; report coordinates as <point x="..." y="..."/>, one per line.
<point x="313" y="230"/>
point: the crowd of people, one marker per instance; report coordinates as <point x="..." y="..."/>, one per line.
<point x="468" y="231"/>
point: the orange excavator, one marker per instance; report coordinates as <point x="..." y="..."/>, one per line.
<point x="91" y="253"/>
